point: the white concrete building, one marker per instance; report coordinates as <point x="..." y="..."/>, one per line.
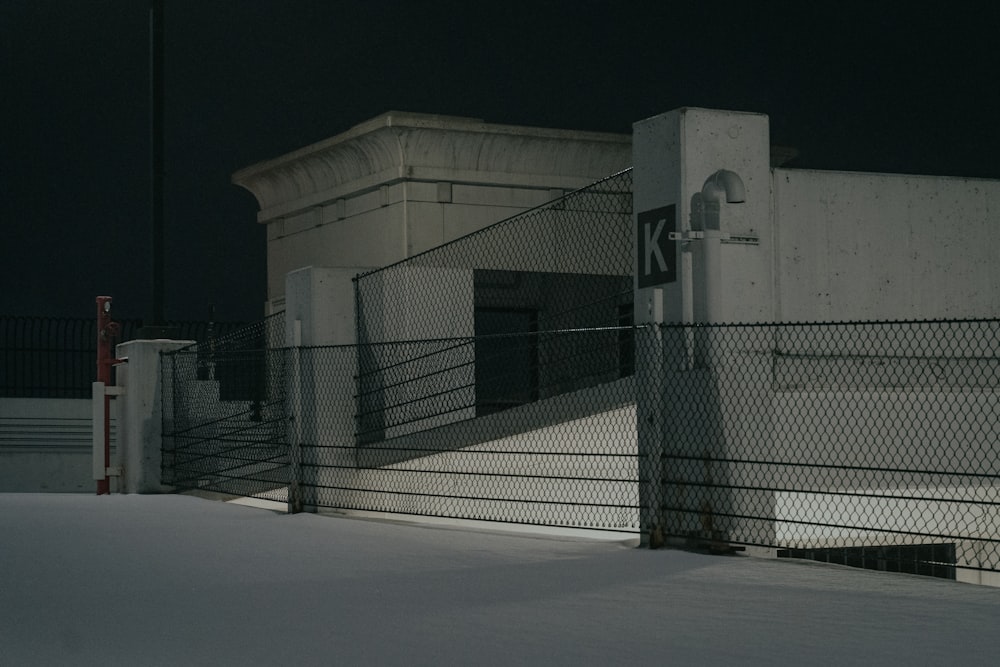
<point x="402" y="183"/>
<point x="721" y="234"/>
<point x="806" y="245"/>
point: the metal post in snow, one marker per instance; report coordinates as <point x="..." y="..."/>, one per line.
<point x="296" y="425"/>
<point x="649" y="382"/>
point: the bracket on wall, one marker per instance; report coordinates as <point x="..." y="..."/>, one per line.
<point x="741" y="240"/>
<point x="691" y="235"/>
<point x="723" y="237"/>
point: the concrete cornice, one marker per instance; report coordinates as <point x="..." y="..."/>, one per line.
<point x="397" y="146"/>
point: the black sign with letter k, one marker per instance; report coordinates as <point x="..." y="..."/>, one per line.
<point x="656" y="261"/>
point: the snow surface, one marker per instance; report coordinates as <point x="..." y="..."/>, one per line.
<point x="174" y="580"/>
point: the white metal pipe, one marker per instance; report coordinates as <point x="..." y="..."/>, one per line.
<point x="724" y="182"/>
<point x="722" y="186"/>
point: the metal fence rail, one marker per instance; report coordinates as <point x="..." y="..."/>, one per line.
<point x="872" y="444"/>
<point x="55" y="357"/>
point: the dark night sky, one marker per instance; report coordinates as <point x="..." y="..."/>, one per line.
<point x="857" y="87"/>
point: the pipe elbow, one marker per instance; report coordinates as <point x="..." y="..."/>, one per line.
<point x="724" y="183"/>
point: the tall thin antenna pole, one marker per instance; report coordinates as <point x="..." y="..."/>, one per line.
<point x="156" y="156"/>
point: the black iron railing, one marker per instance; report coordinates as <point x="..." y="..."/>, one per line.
<point x="56" y="357"/>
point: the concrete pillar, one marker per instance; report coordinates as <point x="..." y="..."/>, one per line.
<point x="321" y="334"/>
<point x="140" y="414"/>
<point x="674" y="156"/>
<point x="322" y="300"/>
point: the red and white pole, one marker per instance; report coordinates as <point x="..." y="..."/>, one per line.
<point x="107" y="333"/>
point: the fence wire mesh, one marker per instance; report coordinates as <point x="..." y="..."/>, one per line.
<point x="424" y="442"/>
<point x="872" y="444"/>
<point x="566" y="264"/>
<point x="225" y="416"/>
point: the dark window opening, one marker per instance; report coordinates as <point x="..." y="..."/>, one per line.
<point x="932" y="560"/>
<point x="506" y="358"/>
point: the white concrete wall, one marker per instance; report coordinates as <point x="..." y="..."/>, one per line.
<point x="839" y="246"/>
<point x="418" y="303"/>
<point x="855" y="246"/>
<point x="367" y="238"/>
<point x="45" y="445"/>
<point x="397" y="307"/>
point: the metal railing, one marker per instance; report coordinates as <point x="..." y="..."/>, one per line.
<point x="55" y="357"/>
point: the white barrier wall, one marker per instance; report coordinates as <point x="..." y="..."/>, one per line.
<point x="45" y="445"/>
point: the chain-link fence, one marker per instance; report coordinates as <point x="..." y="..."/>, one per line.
<point x="564" y="265"/>
<point x="225" y="415"/>
<point x="557" y="451"/>
<point x="872" y="444"/>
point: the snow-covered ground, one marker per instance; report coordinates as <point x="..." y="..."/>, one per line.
<point x="172" y="580"/>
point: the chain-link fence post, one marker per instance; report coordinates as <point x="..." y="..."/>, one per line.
<point x="650" y="425"/>
<point x="295" y="421"/>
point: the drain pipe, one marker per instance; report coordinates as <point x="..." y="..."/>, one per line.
<point x="723" y="185"/>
